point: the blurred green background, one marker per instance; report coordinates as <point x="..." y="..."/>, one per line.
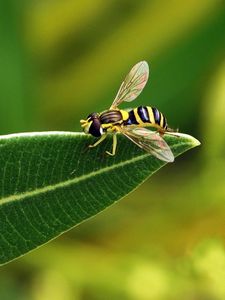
<point x="60" y="61"/>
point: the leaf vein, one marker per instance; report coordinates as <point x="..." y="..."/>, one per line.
<point x="68" y="182"/>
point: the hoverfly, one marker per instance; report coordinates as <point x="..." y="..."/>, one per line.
<point x="131" y="123"/>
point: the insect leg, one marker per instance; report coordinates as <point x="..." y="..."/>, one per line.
<point x="114" y="146"/>
<point x="98" y="142"/>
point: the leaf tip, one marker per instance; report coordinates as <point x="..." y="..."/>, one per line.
<point x="195" y="142"/>
<point x="188" y="138"/>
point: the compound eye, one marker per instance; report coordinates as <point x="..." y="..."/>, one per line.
<point x="92" y="116"/>
<point x="95" y="128"/>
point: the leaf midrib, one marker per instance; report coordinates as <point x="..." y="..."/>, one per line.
<point x="68" y="182"/>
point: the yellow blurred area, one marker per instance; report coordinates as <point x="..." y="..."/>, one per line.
<point x="169" y="22"/>
<point x="67" y="17"/>
<point x="61" y="60"/>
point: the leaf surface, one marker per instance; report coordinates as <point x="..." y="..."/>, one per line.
<point x="51" y="181"/>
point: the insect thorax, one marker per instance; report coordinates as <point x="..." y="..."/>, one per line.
<point x="111" y="117"/>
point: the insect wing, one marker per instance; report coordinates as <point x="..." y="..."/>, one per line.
<point x="151" y="142"/>
<point x="133" y="84"/>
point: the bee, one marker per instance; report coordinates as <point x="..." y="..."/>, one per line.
<point x="132" y="123"/>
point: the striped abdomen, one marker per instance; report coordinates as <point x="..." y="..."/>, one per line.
<point x="147" y="116"/>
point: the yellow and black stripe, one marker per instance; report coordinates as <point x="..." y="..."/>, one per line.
<point x="146" y="116"/>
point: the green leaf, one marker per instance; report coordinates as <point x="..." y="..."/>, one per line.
<point x="51" y="181"/>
